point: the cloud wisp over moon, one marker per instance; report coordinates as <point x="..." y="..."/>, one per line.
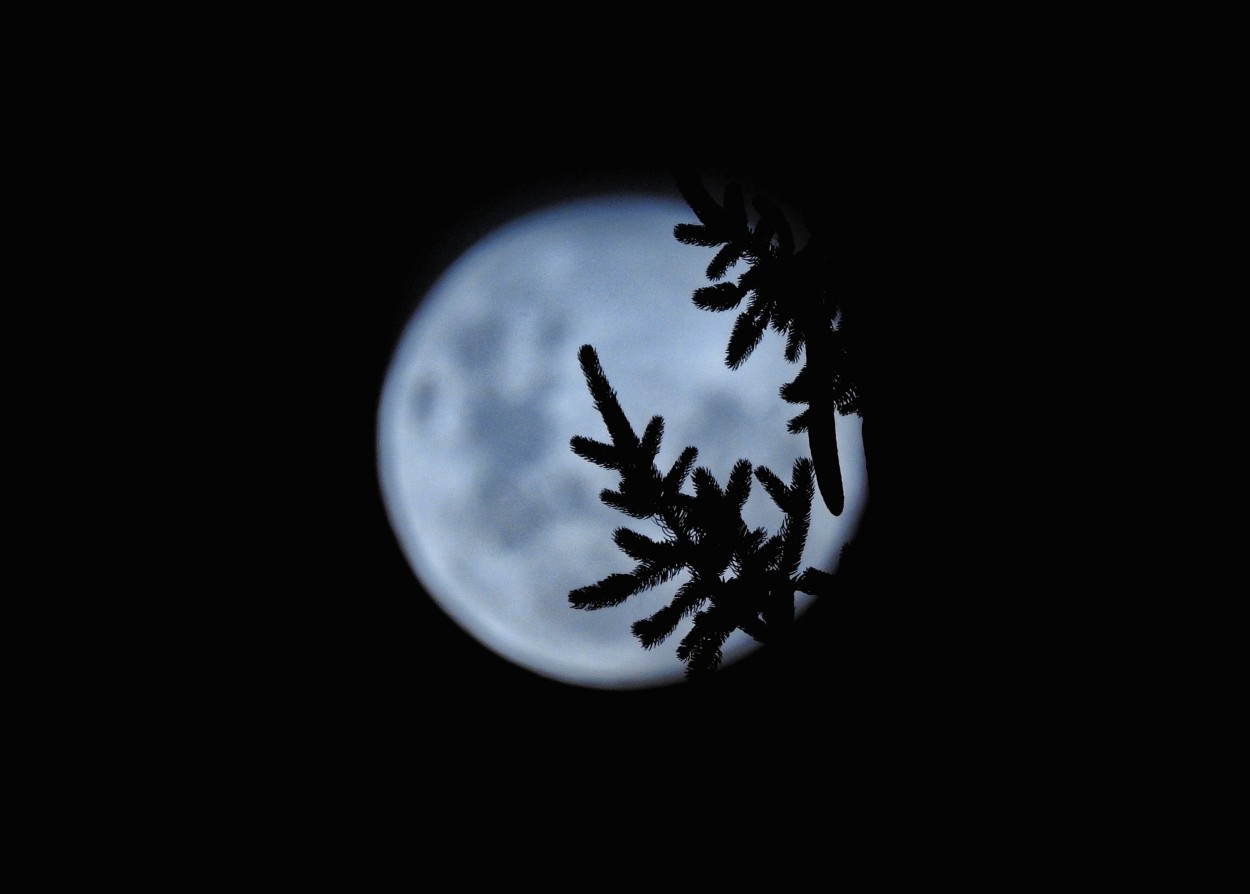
<point x="496" y="515"/>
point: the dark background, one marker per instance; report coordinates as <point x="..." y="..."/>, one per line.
<point x="343" y="640"/>
<point x="286" y="634"/>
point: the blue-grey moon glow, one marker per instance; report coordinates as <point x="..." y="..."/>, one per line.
<point x="497" y="516"/>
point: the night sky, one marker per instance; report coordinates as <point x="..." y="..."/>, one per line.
<point x="349" y="637"/>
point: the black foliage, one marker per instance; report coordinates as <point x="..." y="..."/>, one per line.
<point x="692" y="234"/>
<point x="790" y="291"/>
<point x="720" y="264"/>
<point x="723" y="296"/>
<point x="798" y="424"/>
<point x="658" y="627"/>
<point x="746" y="334"/>
<point x="739" y="578"/>
<point x="612" y="590"/>
<point x="598" y="453"/>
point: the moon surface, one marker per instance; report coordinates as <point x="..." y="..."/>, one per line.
<point x="497" y="516"/>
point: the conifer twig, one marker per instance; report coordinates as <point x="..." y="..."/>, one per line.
<point x="788" y="291"/>
<point x="739" y="578"/>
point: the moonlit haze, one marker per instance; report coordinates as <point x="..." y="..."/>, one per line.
<point x="494" y="512"/>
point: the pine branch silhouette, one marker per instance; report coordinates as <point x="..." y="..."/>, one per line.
<point x="740" y="578"/>
<point x="789" y="292"/>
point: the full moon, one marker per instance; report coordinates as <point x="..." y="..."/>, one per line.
<point x="496" y="515"/>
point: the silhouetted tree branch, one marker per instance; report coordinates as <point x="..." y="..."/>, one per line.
<point x="703" y="534"/>
<point x="789" y="291"/>
<point x="739" y="578"/>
